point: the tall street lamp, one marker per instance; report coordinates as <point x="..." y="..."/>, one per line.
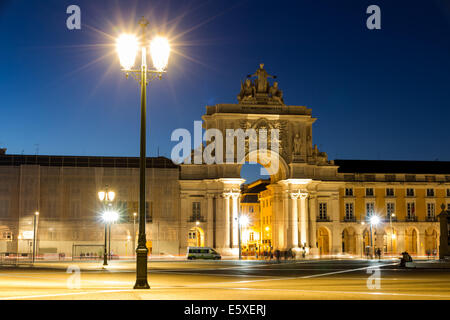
<point x="374" y="220"/>
<point x="36" y="214"/>
<point x="134" y="228"/>
<point x="127" y="49"/>
<point x="106" y="197"/>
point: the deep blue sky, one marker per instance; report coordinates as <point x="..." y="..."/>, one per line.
<point x="382" y="94"/>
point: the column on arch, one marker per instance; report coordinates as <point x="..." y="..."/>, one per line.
<point x="304" y="241"/>
<point x="227" y="229"/>
<point x="209" y="220"/>
<point x="313" y="223"/>
<point x="294" y="218"/>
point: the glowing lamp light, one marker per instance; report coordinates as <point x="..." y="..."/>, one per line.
<point x="243" y="220"/>
<point x="267" y="228"/>
<point x="127" y="46"/>
<point x="393" y="236"/>
<point x="110" y="216"/>
<point x="374" y="220"/>
<point x="101" y="195"/>
<point x="36" y="213"/>
<point x="111" y="195"/>
<point x="160" y="51"/>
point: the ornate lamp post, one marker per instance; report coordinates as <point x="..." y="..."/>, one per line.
<point x="36" y="214"/>
<point x="106" y="197"/>
<point x="392" y="231"/>
<point x="374" y="220"/>
<point x="242" y="221"/>
<point x="127" y="49"/>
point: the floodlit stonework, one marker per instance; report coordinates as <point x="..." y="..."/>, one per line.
<point x="310" y="204"/>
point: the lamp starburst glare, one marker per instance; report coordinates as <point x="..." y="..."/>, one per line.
<point x="160" y="51"/>
<point x="243" y="220"/>
<point x="127" y="47"/>
<point x="374" y="220"/>
<point x="110" y="216"/>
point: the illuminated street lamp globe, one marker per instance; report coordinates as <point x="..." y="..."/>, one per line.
<point x="106" y="195"/>
<point x="128" y="46"/>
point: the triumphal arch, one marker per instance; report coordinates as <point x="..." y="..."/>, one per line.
<point x="295" y="181"/>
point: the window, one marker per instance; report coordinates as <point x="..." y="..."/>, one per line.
<point x="369" y="192"/>
<point x="390" y="209"/>
<point x="410" y="210"/>
<point x="7" y="235"/>
<point x="389" y="177"/>
<point x="389" y="192"/>
<point x="410" y="177"/>
<point x="409" y="192"/>
<point x="430" y="210"/>
<point x="322" y="211"/>
<point x="448" y="192"/>
<point x="430" y="192"/>
<point x="148" y="211"/>
<point x="369" y="177"/>
<point x="430" y="178"/>
<point x="196" y="209"/>
<point x="370" y="209"/>
<point x="349" y="177"/>
<point x="251" y="209"/>
<point x="4" y="208"/>
<point x="252" y="236"/>
<point x="349" y="192"/>
<point x="75" y="210"/>
<point x="192" y="235"/>
<point x="448" y="206"/>
<point x="349" y="211"/>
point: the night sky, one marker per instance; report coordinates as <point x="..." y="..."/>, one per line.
<point x="377" y="94"/>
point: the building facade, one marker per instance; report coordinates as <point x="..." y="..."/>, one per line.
<point x="310" y="203"/>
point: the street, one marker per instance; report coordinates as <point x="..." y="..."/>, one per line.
<point x="227" y="280"/>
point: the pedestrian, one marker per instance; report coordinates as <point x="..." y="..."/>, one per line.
<point x="277" y="255"/>
<point x="379" y="253"/>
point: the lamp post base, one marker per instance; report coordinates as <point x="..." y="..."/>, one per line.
<point x="141" y="268"/>
<point x="141" y="285"/>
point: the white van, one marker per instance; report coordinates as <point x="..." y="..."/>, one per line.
<point x="202" y="253"/>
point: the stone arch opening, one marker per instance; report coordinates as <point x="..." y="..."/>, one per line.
<point x="390" y="239"/>
<point x="366" y="242"/>
<point x="411" y="240"/>
<point x="349" y="240"/>
<point x="431" y="242"/>
<point x="323" y="240"/>
<point x="196" y="237"/>
<point x="272" y="162"/>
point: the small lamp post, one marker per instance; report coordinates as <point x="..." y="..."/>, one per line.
<point x="242" y="221"/>
<point x="109" y="217"/>
<point x="374" y="220"/>
<point x="36" y="214"/>
<point x="106" y="197"/>
<point x="392" y="232"/>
